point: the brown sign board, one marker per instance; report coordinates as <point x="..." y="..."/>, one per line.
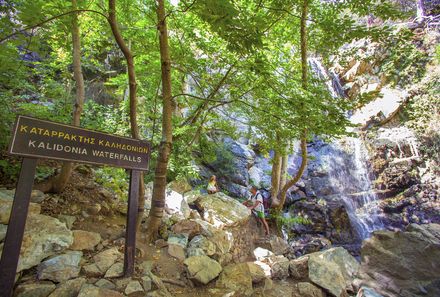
<point x="36" y="138"/>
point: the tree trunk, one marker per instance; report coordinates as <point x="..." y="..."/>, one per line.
<point x="61" y="180"/>
<point x="160" y="176"/>
<point x="283" y="175"/>
<point x="132" y="87"/>
<point x="304" y="82"/>
<point x="276" y="174"/>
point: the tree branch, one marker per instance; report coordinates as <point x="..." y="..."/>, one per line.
<point x="48" y="20"/>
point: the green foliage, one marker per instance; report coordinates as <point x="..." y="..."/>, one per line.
<point x="43" y="172"/>
<point x="115" y="179"/>
<point x="437" y="53"/>
<point x="283" y="222"/>
<point x="404" y="63"/>
<point x="9" y="170"/>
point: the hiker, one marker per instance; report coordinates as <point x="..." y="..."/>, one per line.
<point x="212" y="185"/>
<point x="255" y="204"/>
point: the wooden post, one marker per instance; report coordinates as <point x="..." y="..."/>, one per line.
<point x="17" y="222"/>
<point x="130" y="232"/>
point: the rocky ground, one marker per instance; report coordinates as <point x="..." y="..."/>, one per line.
<point x="210" y="245"/>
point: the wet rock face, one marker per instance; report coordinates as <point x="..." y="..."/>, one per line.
<point x="402" y="263"/>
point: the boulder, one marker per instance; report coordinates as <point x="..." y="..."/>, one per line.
<point x="189" y="227"/>
<point x="106" y="284"/>
<point x="176" y="246"/>
<point x="68" y="220"/>
<point x="3" y="229"/>
<point x="6" y="206"/>
<point x="41" y="289"/>
<point x="202" y="268"/>
<point x="69" y="288"/>
<point x="256" y="272"/>
<point x="309" y="290"/>
<point x="221" y="210"/>
<point x="299" y="268"/>
<point x="236" y="277"/>
<point x="175" y="203"/>
<point x="402" y="263"/>
<point x="105" y="259"/>
<point x="147" y="283"/>
<point x="44" y="236"/>
<point x="201" y="242"/>
<point x="333" y="270"/>
<point x="278" y="245"/>
<point x="37" y="196"/>
<point x="93" y="291"/>
<point x="279" y="267"/>
<point x="85" y="240"/>
<point x="115" y="270"/>
<point x="133" y="287"/>
<point x="261" y="254"/>
<point x="60" y="268"/>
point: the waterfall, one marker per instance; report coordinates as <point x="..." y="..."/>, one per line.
<point x="346" y="164"/>
<point x="362" y="203"/>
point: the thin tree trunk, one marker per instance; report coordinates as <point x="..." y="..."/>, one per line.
<point x="276" y="174"/>
<point x="304" y="78"/>
<point x="61" y="180"/>
<point x="132" y="87"/>
<point x="160" y="176"/>
<point x="283" y="175"/>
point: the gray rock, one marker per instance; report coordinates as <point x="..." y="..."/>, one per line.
<point x="256" y="272"/>
<point x="299" y="268"/>
<point x="402" y="263"/>
<point x="68" y="220"/>
<point x="236" y="277"/>
<point x="146" y="266"/>
<point x="333" y="270"/>
<point x="93" y="291"/>
<point x="278" y="245"/>
<point x="176" y="246"/>
<point x="41" y="289"/>
<point x="85" y="240"/>
<point x="309" y="290"/>
<point x="133" y="287"/>
<point x="147" y="283"/>
<point x="44" y="236"/>
<point x="103" y="283"/>
<point x="115" y="270"/>
<point x="201" y="242"/>
<point x="60" y="268"/>
<point x="37" y="196"/>
<point x="191" y="252"/>
<point x="92" y="270"/>
<point x="70" y="288"/>
<point x="280" y="267"/>
<point x="6" y="206"/>
<point x="202" y="268"/>
<point x="222" y="210"/>
<point x="3" y="229"/>
<point x="105" y="259"/>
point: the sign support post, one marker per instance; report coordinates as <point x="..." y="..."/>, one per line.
<point x="32" y="139"/>
<point x="130" y="232"/>
<point x="17" y="222"/>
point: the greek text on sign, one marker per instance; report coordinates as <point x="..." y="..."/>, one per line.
<point x="44" y="139"/>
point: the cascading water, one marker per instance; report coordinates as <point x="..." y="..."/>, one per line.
<point x="346" y="163"/>
<point x="350" y="181"/>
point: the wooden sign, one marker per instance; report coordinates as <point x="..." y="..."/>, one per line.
<point x="33" y="139"/>
<point x="44" y="139"/>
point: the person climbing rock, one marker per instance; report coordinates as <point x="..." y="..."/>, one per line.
<point x="212" y="185"/>
<point x="255" y="204"/>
